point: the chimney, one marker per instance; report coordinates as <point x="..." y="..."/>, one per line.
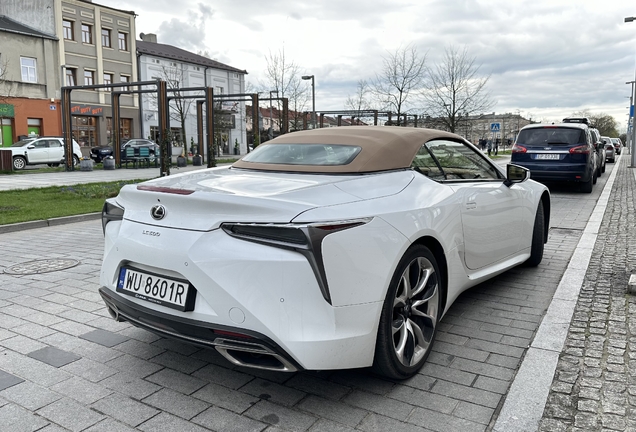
<point x="148" y="37"/>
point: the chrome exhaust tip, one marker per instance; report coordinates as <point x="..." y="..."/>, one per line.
<point x="252" y="356"/>
<point x="114" y="312"/>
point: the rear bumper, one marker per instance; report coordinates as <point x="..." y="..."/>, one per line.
<point x="252" y="350"/>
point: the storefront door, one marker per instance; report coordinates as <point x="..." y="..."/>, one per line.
<point x="6" y="133"/>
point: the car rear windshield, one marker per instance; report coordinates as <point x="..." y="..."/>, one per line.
<point x="551" y="136"/>
<point x="303" y="154"/>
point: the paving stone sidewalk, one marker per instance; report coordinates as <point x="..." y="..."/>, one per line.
<point x="594" y="387"/>
<point x="66" y="365"/>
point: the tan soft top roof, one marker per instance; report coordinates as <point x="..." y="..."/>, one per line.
<point x="383" y="147"/>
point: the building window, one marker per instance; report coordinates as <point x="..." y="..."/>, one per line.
<point x="106" y="38"/>
<point x="87" y="33"/>
<point x="28" y="66"/>
<point x="123" y="41"/>
<point x="108" y="78"/>
<point x="124" y="79"/>
<point x="68" y="29"/>
<point x="70" y="77"/>
<point x="89" y="77"/>
<point x="218" y="90"/>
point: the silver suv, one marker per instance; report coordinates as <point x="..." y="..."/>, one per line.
<point x="43" y="150"/>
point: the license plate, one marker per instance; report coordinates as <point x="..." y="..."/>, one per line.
<point x="172" y="293"/>
<point x="548" y="156"/>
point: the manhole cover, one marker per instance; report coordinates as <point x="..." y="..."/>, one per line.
<point x="41" y="266"/>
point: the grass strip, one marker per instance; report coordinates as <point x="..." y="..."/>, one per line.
<point x="56" y="201"/>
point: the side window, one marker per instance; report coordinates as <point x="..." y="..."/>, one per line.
<point x="54" y="144"/>
<point x="459" y="162"/>
<point x="424" y="163"/>
<point x="41" y="144"/>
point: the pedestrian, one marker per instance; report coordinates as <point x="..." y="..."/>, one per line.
<point x="489" y="146"/>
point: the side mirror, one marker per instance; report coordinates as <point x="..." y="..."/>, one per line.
<point x="31" y="147"/>
<point x="516" y="174"/>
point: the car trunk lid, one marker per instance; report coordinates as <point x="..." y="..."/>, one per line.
<point x="204" y="199"/>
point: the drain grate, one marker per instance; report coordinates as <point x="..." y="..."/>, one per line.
<point x="41" y="266"/>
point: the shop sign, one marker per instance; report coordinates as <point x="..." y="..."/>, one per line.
<point x="226" y="121"/>
<point x="6" y="110"/>
<point x="87" y="110"/>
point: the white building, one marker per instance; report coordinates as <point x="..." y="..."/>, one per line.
<point x="183" y="69"/>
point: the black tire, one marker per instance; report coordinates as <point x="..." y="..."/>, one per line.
<point x="409" y="318"/>
<point x="19" y="163"/>
<point x="603" y="167"/>
<point x="538" y="234"/>
<point x="595" y="177"/>
<point x="76" y="161"/>
<point x="587" y="186"/>
<point x="613" y="160"/>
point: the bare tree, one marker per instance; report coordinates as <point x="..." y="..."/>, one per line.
<point x="284" y="77"/>
<point x="7" y="85"/>
<point x="403" y="72"/>
<point x="455" y="89"/>
<point x="360" y="100"/>
<point x="179" y="106"/>
<point x="605" y="123"/>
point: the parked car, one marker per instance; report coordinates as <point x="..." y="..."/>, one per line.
<point x="42" y="150"/>
<point x="100" y="152"/>
<point x="324" y="249"/>
<point x="596" y="139"/>
<point x="558" y="152"/>
<point x="618" y="145"/>
<point x="610" y="152"/>
<point x="138" y="143"/>
<point x="600" y="151"/>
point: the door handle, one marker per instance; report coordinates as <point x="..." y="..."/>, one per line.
<point x="471" y="205"/>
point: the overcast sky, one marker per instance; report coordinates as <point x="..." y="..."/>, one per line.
<point x="546" y="58"/>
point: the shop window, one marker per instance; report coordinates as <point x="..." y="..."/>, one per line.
<point x="125" y="129"/>
<point x="85" y="130"/>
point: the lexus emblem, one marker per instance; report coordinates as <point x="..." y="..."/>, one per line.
<point x="158" y="212"/>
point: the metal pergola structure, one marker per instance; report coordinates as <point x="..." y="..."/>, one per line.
<point x="67" y="128"/>
<point x="358" y="114"/>
<point x="163" y="107"/>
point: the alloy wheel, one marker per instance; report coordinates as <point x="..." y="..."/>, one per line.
<point x="415" y="311"/>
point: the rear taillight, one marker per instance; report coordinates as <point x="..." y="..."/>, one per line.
<point x="111" y="212"/>
<point x="519" y="149"/>
<point x="580" y="150"/>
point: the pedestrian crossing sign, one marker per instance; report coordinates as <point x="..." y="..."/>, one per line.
<point x="495" y="127"/>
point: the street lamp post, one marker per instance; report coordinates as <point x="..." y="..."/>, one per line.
<point x="271" y="118"/>
<point x="313" y="99"/>
<point x="631" y="111"/>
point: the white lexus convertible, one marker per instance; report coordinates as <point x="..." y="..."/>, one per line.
<point x="326" y="249"/>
